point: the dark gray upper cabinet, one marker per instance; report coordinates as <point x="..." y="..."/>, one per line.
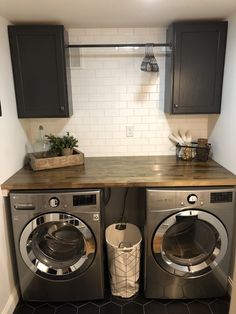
<point x="41" y="74"/>
<point x="194" y="68"/>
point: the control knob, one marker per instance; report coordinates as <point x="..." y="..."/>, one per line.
<point x="192" y="199"/>
<point x="54" y="202"/>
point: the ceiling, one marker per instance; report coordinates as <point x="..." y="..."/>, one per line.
<point x="114" y="13"/>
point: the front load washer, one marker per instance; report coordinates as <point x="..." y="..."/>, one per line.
<point x="58" y="243"/>
<point x="188" y="242"/>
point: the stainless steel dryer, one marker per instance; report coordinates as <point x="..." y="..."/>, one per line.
<point x="58" y="243"/>
<point x="188" y="242"/>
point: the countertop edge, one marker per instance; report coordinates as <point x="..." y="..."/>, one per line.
<point x="171" y="183"/>
<point x="137" y="171"/>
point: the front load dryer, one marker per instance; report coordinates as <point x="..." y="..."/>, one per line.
<point x="58" y="243"/>
<point x="188" y="242"/>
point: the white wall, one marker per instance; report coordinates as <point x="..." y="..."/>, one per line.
<point x="223" y="127"/>
<point x="12" y="143"/>
<point x="110" y="92"/>
<point x="223" y="131"/>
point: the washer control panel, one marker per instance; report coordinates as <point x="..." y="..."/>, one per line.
<point x="86" y="201"/>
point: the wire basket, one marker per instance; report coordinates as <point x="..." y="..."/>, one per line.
<point x="192" y="152"/>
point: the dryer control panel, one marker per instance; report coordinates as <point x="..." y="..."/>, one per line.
<point x="159" y="199"/>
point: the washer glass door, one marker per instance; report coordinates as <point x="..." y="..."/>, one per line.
<point x="190" y="243"/>
<point x="57" y="244"/>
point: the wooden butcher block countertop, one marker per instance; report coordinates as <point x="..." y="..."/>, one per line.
<point x="153" y="171"/>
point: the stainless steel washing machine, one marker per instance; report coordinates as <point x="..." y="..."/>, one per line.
<point x="59" y="244"/>
<point x="188" y="242"/>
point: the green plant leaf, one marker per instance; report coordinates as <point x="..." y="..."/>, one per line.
<point x="57" y="143"/>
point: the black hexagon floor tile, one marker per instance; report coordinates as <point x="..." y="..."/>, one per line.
<point x="132" y="308"/>
<point x="138" y="304"/>
<point x="44" y="309"/>
<point x="79" y="303"/>
<point x="177" y="307"/>
<point x="57" y="304"/>
<point x="207" y="301"/>
<point x="219" y="307"/>
<point x="140" y="299"/>
<point x="155" y="307"/>
<point x="187" y="301"/>
<point x="23" y="309"/>
<point x="88" y="308"/>
<point x="121" y="301"/>
<point x="66" y="309"/>
<point x="164" y="301"/>
<point x="110" y="308"/>
<point x="198" y="307"/>
<point x="35" y="304"/>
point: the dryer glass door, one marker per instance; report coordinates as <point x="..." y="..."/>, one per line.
<point x="57" y="244"/>
<point x="190" y="243"/>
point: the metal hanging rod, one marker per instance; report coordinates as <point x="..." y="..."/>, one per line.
<point x="117" y="45"/>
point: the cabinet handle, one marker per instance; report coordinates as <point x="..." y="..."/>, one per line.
<point x="62" y="108"/>
<point x="176" y="106"/>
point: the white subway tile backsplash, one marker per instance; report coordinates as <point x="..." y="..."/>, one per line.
<point x="119" y="149"/>
<point x="127" y="97"/>
<point x="154" y="96"/>
<point x="143" y="112"/>
<point x="109" y="92"/>
<point x="149" y="119"/>
<point x="103" y="73"/>
<point x="141" y="96"/>
<point x="134" y="120"/>
<point x="150" y="88"/>
<point x="96" y="31"/>
<point x="119" y="120"/>
<point x="118" y="134"/>
<point x="126" y="112"/>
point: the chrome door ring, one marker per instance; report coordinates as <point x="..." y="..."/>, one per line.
<point x="40" y="268"/>
<point x="191" y="270"/>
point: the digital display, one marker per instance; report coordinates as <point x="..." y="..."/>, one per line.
<point x="85" y="199"/>
<point x="221" y="197"/>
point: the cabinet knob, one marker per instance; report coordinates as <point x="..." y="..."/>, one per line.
<point x="62" y="108"/>
<point x="176" y="106"/>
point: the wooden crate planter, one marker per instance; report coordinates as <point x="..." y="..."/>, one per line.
<point x="38" y="162"/>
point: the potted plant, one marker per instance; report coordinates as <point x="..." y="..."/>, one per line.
<point x="62" y="145"/>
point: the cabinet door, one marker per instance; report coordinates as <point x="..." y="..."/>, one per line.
<point x="197" y="69"/>
<point x="39" y="68"/>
